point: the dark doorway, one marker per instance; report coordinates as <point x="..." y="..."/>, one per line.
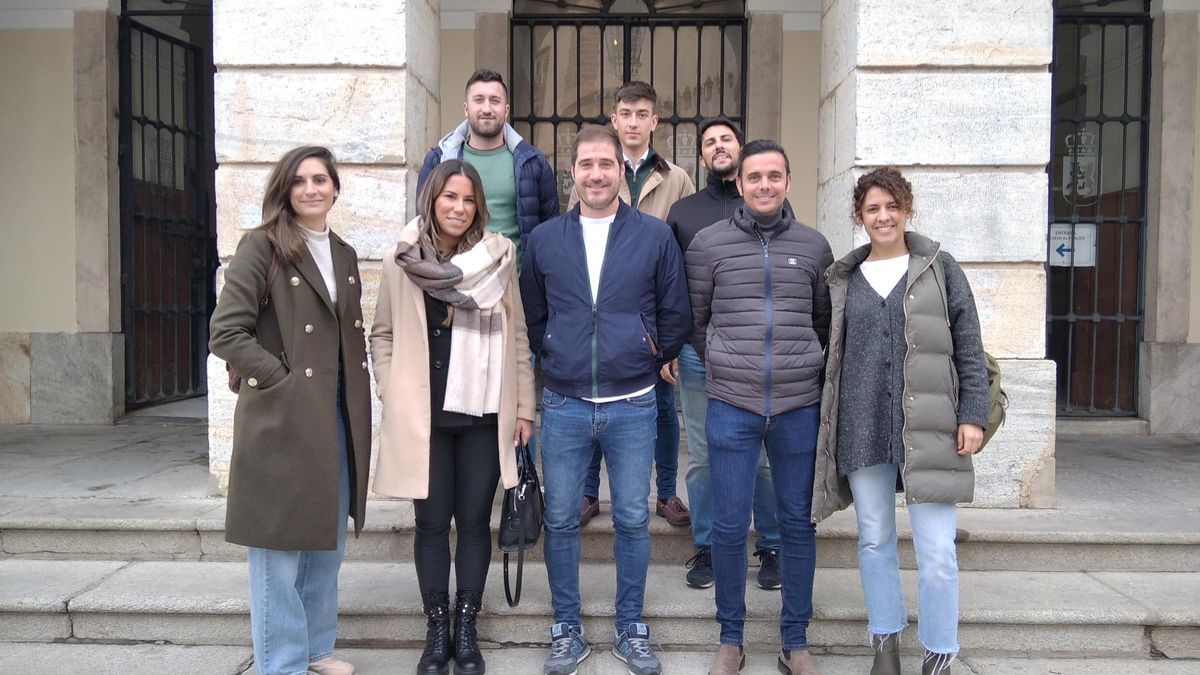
<point x="568" y="59"/>
<point x="1097" y="211"/>
<point x="168" y="230"/>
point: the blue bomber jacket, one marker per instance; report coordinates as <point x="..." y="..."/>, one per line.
<point x="613" y="344"/>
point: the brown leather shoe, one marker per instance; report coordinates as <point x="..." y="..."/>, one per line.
<point x="332" y="666"/>
<point x="588" y="509"/>
<point x="798" y="662"/>
<point x="675" y="511"/>
<point x="730" y="660"/>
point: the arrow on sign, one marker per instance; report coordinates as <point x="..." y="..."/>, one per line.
<point x="1062" y="250"/>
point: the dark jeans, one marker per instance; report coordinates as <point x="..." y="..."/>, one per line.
<point x="735" y="439"/>
<point x="666" y="447"/>
<point x="464" y="470"/>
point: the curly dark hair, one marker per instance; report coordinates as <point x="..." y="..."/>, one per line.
<point x="885" y="178"/>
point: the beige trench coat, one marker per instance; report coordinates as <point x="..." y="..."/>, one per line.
<point x="400" y="354"/>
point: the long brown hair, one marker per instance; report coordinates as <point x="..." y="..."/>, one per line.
<point x="430" y="229"/>
<point x="278" y="217"/>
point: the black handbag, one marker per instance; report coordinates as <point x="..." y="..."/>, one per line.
<point x="520" y="519"/>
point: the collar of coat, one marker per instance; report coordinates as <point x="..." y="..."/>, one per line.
<point x="745" y="222"/>
<point x="453" y="142"/>
<point x="721" y="188"/>
<point x="918" y="245"/>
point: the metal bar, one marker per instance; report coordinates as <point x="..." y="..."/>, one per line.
<point x="1096" y="325"/>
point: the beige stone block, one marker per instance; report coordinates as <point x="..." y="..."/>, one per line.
<point x="834" y="200"/>
<point x="1170" y="387"/>
<point x="996" y="33"/>
<point x="1010" y="470"/>
<point x="359" y="114"/>
<point x="312" y="32"/>
<point x="825" y="141"/>
<point x="1011" y="301"/>
<point x="984" y="216"/>
<point x="953" y="118"/>
<point x="422" y="41"/>
<point x="845" y="124"/>
<point x="368" y="215"/>
<point x="14" y="378"/>
<point x="839" y="36"/>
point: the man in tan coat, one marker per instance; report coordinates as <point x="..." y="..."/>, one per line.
<point x="652" y="185"/>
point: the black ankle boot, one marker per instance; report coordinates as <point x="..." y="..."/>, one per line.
<point x="435" y="660"/>
<point x="467" y="659"/>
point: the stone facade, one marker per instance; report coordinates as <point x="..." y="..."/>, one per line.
<point x="966" y="115"/>
<point x="359" y="76"/>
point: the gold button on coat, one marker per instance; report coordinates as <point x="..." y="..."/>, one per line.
<point x="295" y="281"/>
<point x="352" y="281"/>
<point x="308" y="328"/>
<point x="358" y="323"/>
<point x="253" y="382"/>
<point x="308" y="372"/>
<point x="364" y="365"/>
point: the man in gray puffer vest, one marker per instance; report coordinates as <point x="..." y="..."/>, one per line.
<point x="761" y="314"/>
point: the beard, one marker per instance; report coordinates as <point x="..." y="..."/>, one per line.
<point x="486" y="128"/>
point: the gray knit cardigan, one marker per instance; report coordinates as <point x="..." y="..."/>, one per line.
<point x="944" y="384"/>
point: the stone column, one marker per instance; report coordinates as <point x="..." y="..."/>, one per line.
<point x="965" y="114"/>
<point x="1169" y="377"/>
<point x="358" y="76"/>
<point x="493" y="42"/>
<point x="764" y="53"/>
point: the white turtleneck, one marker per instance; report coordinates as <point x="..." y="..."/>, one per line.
<point x="320" y="248"/>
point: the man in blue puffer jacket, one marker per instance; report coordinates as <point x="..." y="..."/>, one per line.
<point x="518" y="182"/>
<point x="606" y="303"/>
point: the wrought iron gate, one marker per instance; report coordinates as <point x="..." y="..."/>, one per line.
<point x="568" y="59"/>
<point x="168" y="234"/>
<point x="1097" y="211"/>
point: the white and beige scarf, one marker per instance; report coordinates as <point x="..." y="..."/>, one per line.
<point x="473" y="282"/>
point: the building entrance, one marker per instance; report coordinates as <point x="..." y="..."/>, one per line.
<point x="1097" y="211"/>
<point x="569" y="59"/>
<point x="168" y="230"/>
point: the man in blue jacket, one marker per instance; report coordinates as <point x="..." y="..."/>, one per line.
<point x="606" y="303"/>
<point x="518" y="182"/>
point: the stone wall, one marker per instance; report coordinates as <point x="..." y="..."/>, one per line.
<point x="358" y="76"/>
<point x="965" y="113"/>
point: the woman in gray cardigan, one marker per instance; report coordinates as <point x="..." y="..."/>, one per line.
<point x="905" y="378"/>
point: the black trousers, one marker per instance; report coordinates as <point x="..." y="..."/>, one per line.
<point x="464" y="470"/>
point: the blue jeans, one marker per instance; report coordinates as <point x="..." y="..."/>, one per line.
<point x="666" y="447"/>
<point x="624" y="431"/>
<point x="933" y="525"/>
<point x="698" y="478"/>
<point x="294" y="594"/>
<point x="735" y="439"/>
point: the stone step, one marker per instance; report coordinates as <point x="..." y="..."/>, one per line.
<point x="152" y="659"/>
<point x="193" y="529"/>
<point x="1005" y="613"/>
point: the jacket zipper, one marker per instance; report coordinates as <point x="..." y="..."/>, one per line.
<point x="769" y="296"/>
<point x="904" y="428"/>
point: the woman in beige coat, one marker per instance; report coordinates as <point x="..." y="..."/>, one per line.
<point x="452" y="369"/>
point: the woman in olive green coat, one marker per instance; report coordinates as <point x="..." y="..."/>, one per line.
<point x="302" y="427"/>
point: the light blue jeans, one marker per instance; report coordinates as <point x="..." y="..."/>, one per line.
<point x="294" y="594"/>
<point x="572" y="429"/>
<point x="933" y="525"/>
<point x="698" y="478"/>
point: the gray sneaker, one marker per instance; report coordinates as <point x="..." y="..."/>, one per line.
<point x="568" y="648"/>
<point x="633" y="647"/>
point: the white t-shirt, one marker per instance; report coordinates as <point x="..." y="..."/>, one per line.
<point x="595" y="243"/>
<point x="320" y="248"/>
<point x="883" y="275"/>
